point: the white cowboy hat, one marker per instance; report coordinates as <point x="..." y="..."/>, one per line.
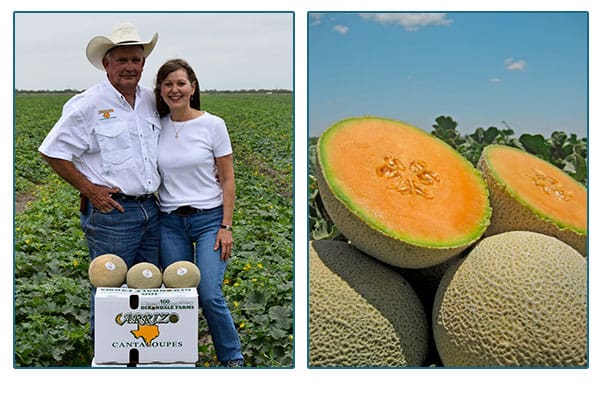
<point x="122" y="35"/>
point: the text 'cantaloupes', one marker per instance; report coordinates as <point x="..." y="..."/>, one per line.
<point x="528" y="193"/>
<point x="400" y="194"/>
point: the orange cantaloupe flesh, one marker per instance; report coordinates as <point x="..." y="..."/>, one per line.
<point x="435" y="198"/>
<point x="546" y="189"/>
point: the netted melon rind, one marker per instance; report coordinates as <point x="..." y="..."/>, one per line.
<point x="518" y="299"/>
<point x="362" y="313"/>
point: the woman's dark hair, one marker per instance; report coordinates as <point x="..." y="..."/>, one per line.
<point x="161" y="75"/>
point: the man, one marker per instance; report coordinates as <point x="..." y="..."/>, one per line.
<point x="105" y="145"/>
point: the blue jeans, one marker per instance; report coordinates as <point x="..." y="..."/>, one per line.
<point x="132" y="235"/>
<point x="178" y="238"/>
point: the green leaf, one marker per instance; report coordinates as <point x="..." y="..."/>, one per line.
<point x="280" y="312"/>
<point x="489" y="136"/>
<point x="277" y="333"/>
<point x="255" y="300"/>
<point x="536" y="144"/>
<point x="577" y="167"/>
<point x="558" y="138"/>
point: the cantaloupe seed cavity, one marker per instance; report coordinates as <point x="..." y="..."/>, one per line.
<point x="408" y="181"/>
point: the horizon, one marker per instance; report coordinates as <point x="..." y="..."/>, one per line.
<point x="201" y="90"/>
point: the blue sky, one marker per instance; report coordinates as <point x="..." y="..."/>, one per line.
<point x="528" y="70"/>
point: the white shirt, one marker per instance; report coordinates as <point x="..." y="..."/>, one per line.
<point x="108" y="141"/>
<point x="187" y="164"/>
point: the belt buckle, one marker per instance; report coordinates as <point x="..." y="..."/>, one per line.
<point x="185" y="211"/>
<point x="123" y="196"/>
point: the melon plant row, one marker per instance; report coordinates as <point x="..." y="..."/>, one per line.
<point x="483" y="265"/>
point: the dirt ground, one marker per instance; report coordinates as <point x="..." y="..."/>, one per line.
<point x="21" y="201"/>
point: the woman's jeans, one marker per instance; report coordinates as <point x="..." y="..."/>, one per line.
<point x="132" y="235"/>
<point x="192" y="238"/>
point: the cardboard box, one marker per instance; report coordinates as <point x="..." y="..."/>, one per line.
<point x="157" y="365"/>
<point x="146" y="326"/>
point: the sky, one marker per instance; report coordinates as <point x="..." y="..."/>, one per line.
<point x="226" y="50"/>
<point x="523" y="70"/>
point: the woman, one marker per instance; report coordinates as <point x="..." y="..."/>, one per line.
<point x="197" y="195"/>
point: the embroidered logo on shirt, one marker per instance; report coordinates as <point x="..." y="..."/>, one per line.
<point x="106" y="113"/>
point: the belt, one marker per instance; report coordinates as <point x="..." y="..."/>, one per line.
<point x="140" y="198"/>
<point x="186" y="211"/>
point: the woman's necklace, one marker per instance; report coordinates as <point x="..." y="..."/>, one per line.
<point x="181" y="126"/>
<point x="181" y="123"/>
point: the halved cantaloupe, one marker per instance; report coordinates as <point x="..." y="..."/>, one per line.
<point x="528" y="193"/>
<point x="400" y="194"/>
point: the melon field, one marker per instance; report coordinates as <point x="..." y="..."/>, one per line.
<point x="442" y="249"/>
<point x="52" y="288"/>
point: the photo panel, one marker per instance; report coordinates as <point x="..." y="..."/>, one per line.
<point x="448" y="176"/>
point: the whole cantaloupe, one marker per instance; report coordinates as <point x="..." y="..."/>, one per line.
<point x="362" y="313"/>
<point x="518" y="299"/>
<point x="107" y="270"/>
<point x="398" y="193"/>
<point x="181" y="274"/>
<point x="144" y="275"/>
